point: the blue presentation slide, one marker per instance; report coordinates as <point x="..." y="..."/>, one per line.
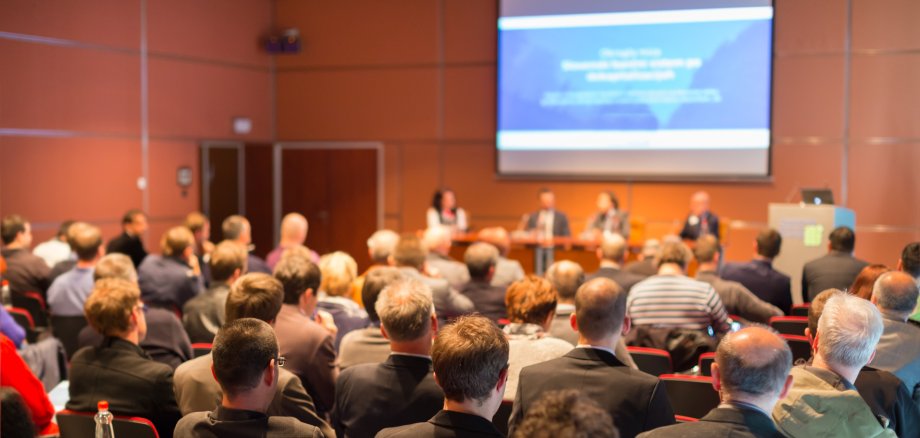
<point x="651" y="80"/>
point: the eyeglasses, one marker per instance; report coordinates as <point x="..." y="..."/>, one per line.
<point x="143" y="307"/>
<point x="280" y="361"/>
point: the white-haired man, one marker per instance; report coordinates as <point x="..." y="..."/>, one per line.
<point x="437" y="240"/>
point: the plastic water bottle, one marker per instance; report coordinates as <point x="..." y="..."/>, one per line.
<point x="104" y="421"/>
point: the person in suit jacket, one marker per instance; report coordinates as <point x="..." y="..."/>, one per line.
<point x="895" y="295"/>
<point x="402" y="389"/>
<point x="489" y="300"/>
<point x="470" y="361"/>
<point x="118" y="370"/>
<point x="547" y="219"/>
<point x="246" y="364"/>
<point x="409" y="257"/>
<point x="203" y="315"/>
<point x="612" y="255"/>
<point x="133" y="225"/>
<point x="758" y="275"/>
<point x="636" y="401"/>
<point x="835" y="270"/>
<point x="437" y="241"/>
<point x="254" y="296"/>
<point x="700" y="221"/>
<point x="171" y="279"/>
<point x="237" y="229"/>
<point x="751" y="373"/>
<point x="609" y="219"/>
<point x="368" y="345"/>
<point x="507" y="271"/>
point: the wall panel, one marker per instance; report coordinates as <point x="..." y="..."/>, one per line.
<point x="110" y="23"/>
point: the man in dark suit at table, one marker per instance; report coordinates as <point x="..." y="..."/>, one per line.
<point x="751" y="372"/>
<point x="547" y="219"/>
<point x="759" y="276"/>
<point x="700" y="221"/>
<point x="835" y="270"/>
<point x="636" y="400"/>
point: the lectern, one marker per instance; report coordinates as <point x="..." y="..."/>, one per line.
<point x="805" y="229"/>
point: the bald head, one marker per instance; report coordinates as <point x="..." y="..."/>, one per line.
<point x="294" y="229"/>
<point x="437" y="239"/>
<point x="753" y="362"/>
<point x="600" y="308"/>
<point x="613" y="248"/>
<point x="498" y="237"/>
<point x="699" y="203"/>
<point x="895" y="292"/>
<point x="566" y="276"/>
<point x="380" y="245"/>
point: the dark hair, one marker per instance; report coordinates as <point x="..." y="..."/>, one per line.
<point x="297" y="274"/>
<point x="409" y="251"/>
<point x="15" y="418"/>
<point x="242" y="350"/>
<point x="530" y="300"/>
<point x="842" y="239"/>
<point x="865" y="281"/>
<point x="128" y="217"/>
<point x="374" y="282"/>
<point x="544" y="190"/>
<point x="469" y="357"/>
<point x="255" y="295"/>
<point x="11" y="226"/>
<point x="438" y="197"/>
<point x="64" y="228"/>
<point x="769" y="242"/>
<point x="613" y="199"/>
<point x="233" y="226"/>
<point x="566" y="413"/>
<point x="226" y="258"/>
<point x="910" y="259"/>
<point x="600" y="308"/>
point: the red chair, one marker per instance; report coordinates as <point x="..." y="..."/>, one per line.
<point x="201" y="348"/>
<point x="35" y="304"/>
<point x="800" y="346"/>
<point x="789" y="325"/>
<point x="800" y="310"/>
<point x="652" y="360"/>
<point x="75" y="424"/>
<point x="683" y="419"/>
<point x="691" y="396"/>
<point x="706" y="360"/>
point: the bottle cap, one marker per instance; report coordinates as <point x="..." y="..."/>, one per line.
<point x="103" y="405"/>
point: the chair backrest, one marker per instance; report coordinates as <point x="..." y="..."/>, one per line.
<point x="800" y="346"/>
<point x="691" y="396"/>
<point x="800" y="310"/>
<point x="201" y="348"/>
<point x="685" y="419"/>
<point x="67" y="329"/>
<point x="706" y="360"/>
<point x="501" y="417"/>
<point x="789" y="325"/>
<point x="75" y="424"/>
<point x="24" y="319"/>
<point x="35" y="304"/>
<point x="652" y="360"/>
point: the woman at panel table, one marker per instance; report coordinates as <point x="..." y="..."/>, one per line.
<point x="444" y="212"/>
<point x="608" y="219"/>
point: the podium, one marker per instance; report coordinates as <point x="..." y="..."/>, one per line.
<point x="805" y="230"/>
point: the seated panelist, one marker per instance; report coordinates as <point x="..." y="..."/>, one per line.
<point x="608" y="219"/>
<point x="700" y="221"/>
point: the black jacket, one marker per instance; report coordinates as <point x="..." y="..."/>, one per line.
<point x="835" y="270"/>
<point x="732" y="422"/>
<point x="760" y="278"/>
<point x="624" y="279"/>
<point x="446" y="424"/>
<point x="235" y="423"/>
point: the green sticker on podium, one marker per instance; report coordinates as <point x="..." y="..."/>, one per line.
<point x="812" y="235"/>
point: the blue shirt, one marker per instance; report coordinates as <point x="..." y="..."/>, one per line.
<point x="9" y="328"/>
<point x="68" y="293"/>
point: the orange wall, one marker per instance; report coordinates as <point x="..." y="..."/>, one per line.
<point x="419" y="75"/>
<point x="71" y="75"/>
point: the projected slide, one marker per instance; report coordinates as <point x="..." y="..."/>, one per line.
<point x="662" y="92"/>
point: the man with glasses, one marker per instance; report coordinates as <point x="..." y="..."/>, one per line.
<point x="246" y="364"/>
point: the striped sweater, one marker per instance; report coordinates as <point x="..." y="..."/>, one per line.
<point x="676" y="301"/>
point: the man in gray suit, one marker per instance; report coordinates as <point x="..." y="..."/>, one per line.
<point x="409" y="257"/>
<point x="835" y="270"/>
<point x="507" y="271"/>
<point x="437" y="241"/>
<point x="898" y="351"/>
<point x="368" y="345"/>
<point x="547" y="220"/>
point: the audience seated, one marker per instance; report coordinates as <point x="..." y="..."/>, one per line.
<point x="203" y="315"/>
<point x="25" y="271"/>
<point x="481" y="259"/>
<point x="835" y="270"/>
<point x="700" y="221"/>
<point x="823" y="400"/>
<point x="133" y="226"/>
<point x="736" y="298"/>
<point x="635" y="400"/>
<point x="759" y="276"/>
<point x="547" y="221"/>
<point x="438" y="242"/>
<point x="401" y="390"/>
<point x="566" y="413"/>
<point x="256" y="296"/>
<point x="236" y="229"/>
<point x="69" y="291"/>
<point x="379" y="248"/>
<point x="470" y="362"/>
<point x="531" y="304"/>
<point x="308" y="346"/>
<point x="612" y="254"/>
<point x="339" y="271"/>
<point x="294" y="228"/>
<point x="507" y="271"/>
<point x="17" y="375"/>
<point x="171" y="279"/>
<point x="200" y="226"/>
<point x="864" y="283"/>
<point x="368" y="345"/>
<point x="57" y="248"/>
<point x="898" y="351"/>
<point x="751" y="372"/>
<point x="15" y="420"/>
<point x="246" y="364"/>
<point x="118" y="370"/>
<point x="409" y="257"/>
<point x="645" y="266"/>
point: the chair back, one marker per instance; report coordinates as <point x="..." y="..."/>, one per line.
<point x="800" y="310"/>
<point x="201" y="348"/>
<point x="706" y="360"/>
<point x="500" y="420"/>
<point x="35" y="304"/>
<point x="75" y="424"/>
<point x="651" y="360"/>
<point x="24" y="319"/>
<point x="789" y="325"/>
<point x="67" y="329"/>
<point x="690" y="396"/>
<point x="800" y="346"/>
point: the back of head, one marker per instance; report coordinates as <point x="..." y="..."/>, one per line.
<point x="896" y="292"/>
<point x="374" y="283"/>
<point x="255" y="295"/>
<point x="530" y="300"/>
<point x="294" y="228"/>
<point x="865" y="281"/>
<point x="381" y="244"/>
<point x="115" y="265"/>
<point x="175" y="241"/>
<point x="85" y="240"/>
<point x="480" y="257"/>
<point x="409" y="252"/>
<point x="108" y="308"/>
<point x="131" y="216"/>
<point x="233" y="227"/>
<point x="469" y="357"/>
<point x="297" y="251"/>
<point x="600" y="308"/>
<point x="15" y="416"/>
<point x="405" y="310"/>
<point x="64" y="228"/>
<point x="339" y="272"/>
<point x="842" y="239"/>
<point x="848" y="331"/>
<point x="817" y="307"/>
<point x="613" y="248"/>
<point x="910" y="259"/>
<point x="567" y="413"/>
<point x="497" y="236"/>
<point x="566" y="276"/>
<point x="226" y="258"/>
<point x="674" y="252"/>
<point x="195" y="221"/>
<point x="436" y="237"/>
<point x="242" y="349"/>
<point x="11" y="226"/>
<point x="753" y="361"/>
<point x="769" y="242"/>
<point x="296" y="275"/>
<point x="650" y="248"/>
<point x="706" y="248"/>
